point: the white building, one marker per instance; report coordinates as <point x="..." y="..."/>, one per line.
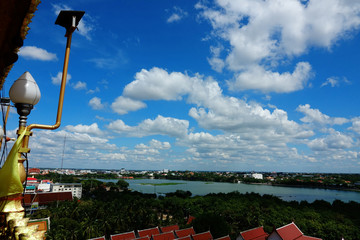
<point x="257" y="175"/>
<point x="74" y="188"/>
<point x="44" y="187"/>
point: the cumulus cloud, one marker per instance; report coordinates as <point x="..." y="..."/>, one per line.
<point x="355" y="125"/>
<point x="92" y="129"/>
<point x="96" y="104"/>
<point x="35" y="53"/>
<point x="57" y="79"/>
<point x="80" y="85"/>
<point x="158" y="84"/>
<point x="334" y="81"/>
<point x="177" y="15"/>
<point x="159" y="126"/>
<point x="315" y="116"/>
<point x="335" y="140"/>
<point x="257" y="78"/>
<point x="262" y="34"/>
<point x="81" y="148"/>
<point x="123" y="105"/>
<point x="215" y="61"/>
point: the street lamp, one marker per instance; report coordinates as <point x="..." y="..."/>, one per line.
<point x="25" y="94"/>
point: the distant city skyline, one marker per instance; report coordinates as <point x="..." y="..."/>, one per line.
<point x="226" y="85"/>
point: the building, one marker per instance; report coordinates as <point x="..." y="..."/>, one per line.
<point x="34" y="171"/>
<point x="289" y="232"/>
<point x="74" y="188"/>
<point x="257" y="176"/>
<point x="253" y="234"/>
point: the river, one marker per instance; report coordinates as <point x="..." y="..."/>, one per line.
<point x="202" y="188"/>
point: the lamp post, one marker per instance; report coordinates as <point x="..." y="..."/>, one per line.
<point x="25" y="93"/>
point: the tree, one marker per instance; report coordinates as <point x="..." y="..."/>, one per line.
<point x="122" y="184"/>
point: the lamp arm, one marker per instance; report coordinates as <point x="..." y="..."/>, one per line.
<point x="62" y="91"/>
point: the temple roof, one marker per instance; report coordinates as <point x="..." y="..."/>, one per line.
<point x="15" y="16"/>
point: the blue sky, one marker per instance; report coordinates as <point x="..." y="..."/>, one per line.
<point x="239" y="85"/>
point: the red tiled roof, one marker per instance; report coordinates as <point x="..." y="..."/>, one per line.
<point x="190" y="219"/>
<point x="224" y="238"/>
<point x="308" y="238"/>
<point x="289" y="232"/>
<point x="254" y="234"/>
<point x="148" y="232"/>
<point x="203" y="236"/>
<point x="99" y="238"/>
<point x="143" y="238"/>
<point x="164" y="236"/>
<point x="184" y="232"/>
<point x="185" y="238"/>
<point x="169" y="228"/>
<point x="123" y="236"/>
<point x="34" y="170"/>
<point x="31" y="179"/>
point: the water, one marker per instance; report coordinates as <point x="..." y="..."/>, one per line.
<point x="203" y="188"/>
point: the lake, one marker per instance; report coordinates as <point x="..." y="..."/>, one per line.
<point x="202" y="188"/>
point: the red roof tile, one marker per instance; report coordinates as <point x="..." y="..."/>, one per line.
<point x="308" y="238"/>
<point x="123" y="236"/>
<point x="184" y="232"/>
<point x="143" y="238"/>
<point x="254" y="234"/>
<point x="289" y="232"/>
<point x="203" y="236"/>
<point x="169" y="228"/>
<point x="190" y="219"/>
<point x="164" y="236"/>
<point x="224" y="238"/>
<point x="149" y="232"/>
<point x="185" y="238"/>
<point x="99" y="238"/>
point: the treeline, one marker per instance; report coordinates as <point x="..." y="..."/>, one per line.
<point x="105" y="210"/>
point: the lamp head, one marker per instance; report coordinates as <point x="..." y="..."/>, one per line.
<point x="25" y="93"/>
<point x="69" y="19"/>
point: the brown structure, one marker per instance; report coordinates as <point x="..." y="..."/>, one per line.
<point x="15" y="16"/>
<point x="46" y="198"/>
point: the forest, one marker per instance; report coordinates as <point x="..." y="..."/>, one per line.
<point x="110" y="208"/>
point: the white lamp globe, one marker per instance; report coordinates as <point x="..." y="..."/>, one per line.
<point x="25" y="90"/>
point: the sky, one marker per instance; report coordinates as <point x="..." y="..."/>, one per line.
<point x="223" y="85"/>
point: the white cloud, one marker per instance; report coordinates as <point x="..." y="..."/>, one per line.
<point x="96" y="104"/>
<point x="177" y="15"/>
<point x="159" y="126"/>
<point x="334" y="81"/>
<point x="335" y="140"/>
<point x="35" y="53"/>
<point x="257" y="78"/>
<point x="81" y="149"/>
<point x="158" y="84"/>
<point x="92" y="129"/>
<point x="80" y="85"/>
<point x="262" y="34"/>
<point x="215" y="61"/>
<point x="315" y="116"/>
<point x="123" y="105"/>
<point x="355" y="125"/>
<point x="57" y="79"/>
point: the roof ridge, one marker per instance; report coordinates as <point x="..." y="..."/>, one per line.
<point x="252" y="229"/>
